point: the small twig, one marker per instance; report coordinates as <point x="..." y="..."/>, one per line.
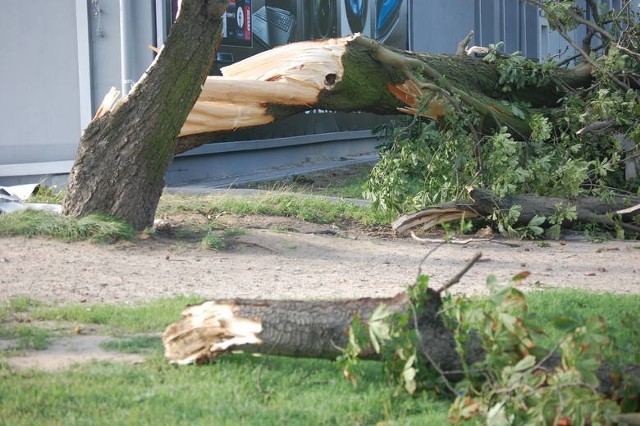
<point x="629" y="210"/>
<point x="598" y="125"/>
<point x="449" y="241"/>
<point x="576" y="56"/>
<point x="461" y="242"/>
<point x="453" y="281"/>
<point x="461" y="50"/>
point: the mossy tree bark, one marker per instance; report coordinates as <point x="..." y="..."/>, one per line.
<point x="123" y="154"/>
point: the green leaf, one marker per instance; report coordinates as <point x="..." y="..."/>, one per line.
<point x="497" y="416"/>
<point x="379" y="329"/>
<point x="525" y="363"/>
<point x="565" y="324"/>
<point x="409" y="373"/>
<point x="509" y="321"/>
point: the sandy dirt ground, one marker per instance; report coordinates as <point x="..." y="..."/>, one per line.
<point x="286" y="258"/>
<point x="281" y="258"/>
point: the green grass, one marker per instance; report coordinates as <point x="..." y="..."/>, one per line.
<point x="237" y="389"/>
<point x="308" y="208"/>
<point x="44" y="194"/>
<point x="26" y="337"/>
<point x="213" y="241"/>
<point x="151" y="317"/>
<point x="134" y="344"/>
<point x="579" y="305"/>
<point x="95" y="227"/>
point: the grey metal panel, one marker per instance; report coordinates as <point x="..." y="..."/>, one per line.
<point x="105" y="44"/>
<point x="530" y="32"/>
<point x="104" y="26"/>
<point x="511" y="19"/>
<point x="40" y="103"/>
<point x="438" y="26"/>
<point x="490" y="22"/>
<point x="233" y="164"/>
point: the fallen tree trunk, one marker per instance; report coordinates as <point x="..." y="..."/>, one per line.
<point x="125" y="151"/>
<point x="320" y="329"/>
<point x="617" y="211"/>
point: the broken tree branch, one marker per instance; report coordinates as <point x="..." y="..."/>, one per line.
<point x="484" y="203"/>
<point x="356" y="73"/>
<point x="456" y="279"/>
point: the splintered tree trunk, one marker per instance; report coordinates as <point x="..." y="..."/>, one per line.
<point x="124" y="153"/>
<point x="356" y="73"/>
<point x="316" y="329"/>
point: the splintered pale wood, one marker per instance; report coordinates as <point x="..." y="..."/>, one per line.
<point x="431" y="217"/>
<point x="291" y="75"/>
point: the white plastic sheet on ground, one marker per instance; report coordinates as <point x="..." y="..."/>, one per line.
<point x="12" y="199"/>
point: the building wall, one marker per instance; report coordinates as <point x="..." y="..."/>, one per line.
<point x="441" y="26"/>
<point x="40" y="102"/>
<point x="58" y="60"/>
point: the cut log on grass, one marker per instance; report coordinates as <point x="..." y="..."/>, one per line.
<point x="483" y="203"/>
<point x="317" y="329"/>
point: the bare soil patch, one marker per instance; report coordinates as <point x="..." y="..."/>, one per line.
<point x="288" y="258"/>
<point x="68" y="351"/>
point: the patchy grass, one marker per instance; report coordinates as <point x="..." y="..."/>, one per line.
<point x="343" y="182"/>
<point x="239" y="389"/>
<point x="617" y="310"/>
<point x="95" y="227"/>
<point x="139" y="344"/>
<point x="26" y="337"/>
<point x="308" y="208"/>
<point x="45" y="194"/>
<point x="151" y="317"/>
<point x="22" y="304"/>
<point x="295" y="198"/>
<point x="213" y="241"/>
<point x="235" y="390"/>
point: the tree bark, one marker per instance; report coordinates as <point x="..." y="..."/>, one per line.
<point x="318" y="329"/>
<point x="125" y="151"/>
<point x="485" y="203"/>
